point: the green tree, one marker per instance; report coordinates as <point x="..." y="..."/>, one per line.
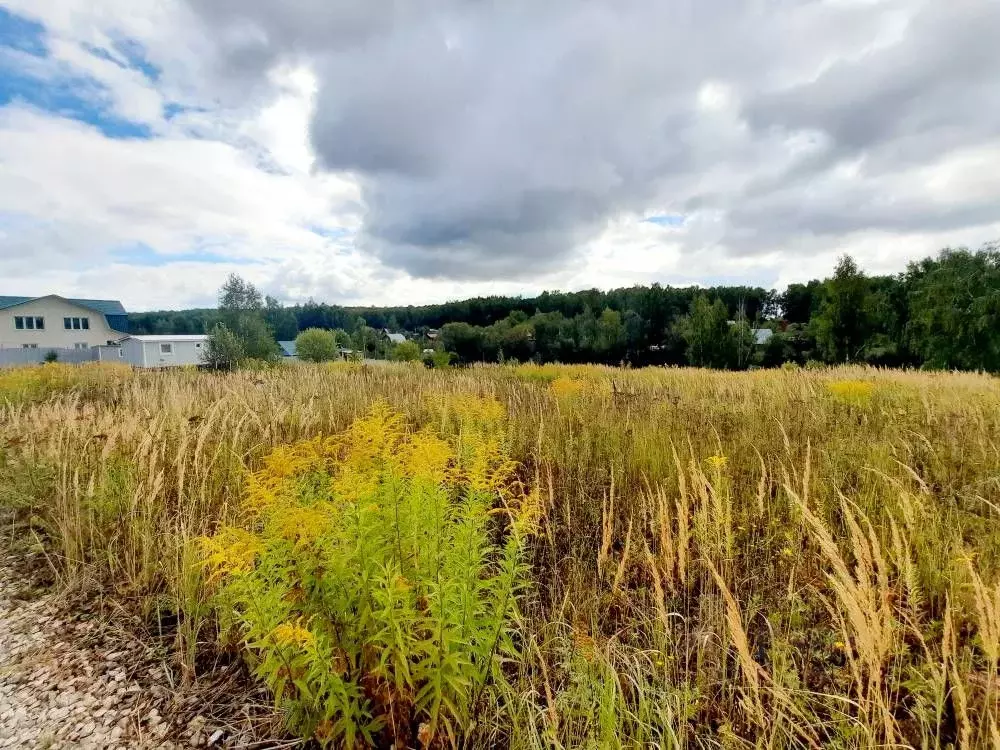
<point x="241" y="309"/>
<point x="706" y="332"/>
<point x="775" y="351"/>
<point x="742" y="342"/>
<point x="801" y="301"/>
<point x="237" y="294"/>
<point x="316" y="345"/>
<point x="343" y="338"/>
<point x="408" y="351"/>
<point x="258" y="339"/>
<point x="281" y="319"/>
<point x="464" y="341"/>
<point x="609" y="342"/>
<point x="954" y="309"/>
<point x="368" y="342"/>
<point x="842" y="324"/>
<point x="223" y="350"/>
<point x="512" y="338"/>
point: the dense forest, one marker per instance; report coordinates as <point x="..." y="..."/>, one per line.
<point x="942" y="312"/>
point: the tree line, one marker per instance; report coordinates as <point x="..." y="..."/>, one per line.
<point x="941" y="312"/>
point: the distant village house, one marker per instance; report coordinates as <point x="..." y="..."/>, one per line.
<point x="54" y="322"/>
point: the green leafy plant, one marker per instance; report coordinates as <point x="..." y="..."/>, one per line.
<point x="375" y="582"/>
<point x="316" y="345"/>
<point x="408" y="351"/>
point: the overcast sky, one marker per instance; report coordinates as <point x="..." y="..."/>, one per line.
<point x="408" y="151"/>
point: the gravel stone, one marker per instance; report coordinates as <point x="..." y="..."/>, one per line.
<point x="68" y="680"/>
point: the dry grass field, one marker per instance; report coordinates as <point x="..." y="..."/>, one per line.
<point x="543" y="557"/>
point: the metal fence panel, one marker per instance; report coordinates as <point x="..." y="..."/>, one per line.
<point x="25" y="357"/>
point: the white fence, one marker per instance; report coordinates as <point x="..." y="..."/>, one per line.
<point x="25" y="357"/>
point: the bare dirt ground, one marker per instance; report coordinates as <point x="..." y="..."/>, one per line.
<point x="74" y="674"/>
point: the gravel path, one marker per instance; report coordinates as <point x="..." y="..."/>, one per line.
<point x="68" y="679"/>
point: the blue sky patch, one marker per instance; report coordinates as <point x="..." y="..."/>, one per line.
<point x="77" y="98"/>
<point x="143" y="255"/>
<point x="175" y="109"/>
<point x="58" y="90"/>
<point x="23" y="34"/>
<point x="331" y="233"/>
<point x="665" y="220"/>
<point x="127" y="55"/>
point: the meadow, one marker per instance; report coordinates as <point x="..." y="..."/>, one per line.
<point x="542" y="556"/>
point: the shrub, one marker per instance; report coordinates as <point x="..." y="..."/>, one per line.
<point x="316" y="345"/>
<point x="223" y="350"/>
<point x="408" y="351"/>
<point x="374" y="583"/>
<point x="439" y="360"/>
<point x="52" y="356"/>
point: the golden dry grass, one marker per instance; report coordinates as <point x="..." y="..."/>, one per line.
<point x="764" y="559"/>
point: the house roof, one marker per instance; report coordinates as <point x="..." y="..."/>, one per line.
<point x="396" y="338"/>
<point x="762" y="335"/>
<point x="287" y="348"/>
<point x="102" y="306"/>
<point x="171" y="337"/>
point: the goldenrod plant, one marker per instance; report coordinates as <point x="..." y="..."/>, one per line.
<point x="376" y="574"/>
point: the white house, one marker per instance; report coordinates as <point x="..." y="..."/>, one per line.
<point x="164" y="351"/>
<point x="54" y="322"/>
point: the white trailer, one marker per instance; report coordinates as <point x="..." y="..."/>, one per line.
<point x="164" y="351"/>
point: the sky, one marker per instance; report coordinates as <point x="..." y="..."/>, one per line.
<point x="390" y="152"/>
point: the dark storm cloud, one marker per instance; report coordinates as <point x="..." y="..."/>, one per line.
<point x="492" y="138"/>
<point x="938" y="81"/>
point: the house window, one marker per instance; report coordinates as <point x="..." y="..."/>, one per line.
<point x="81" y="345"/>
<point x="76" y="324"/>
<point x="166" y="348"/>
<point x="29" y="322"/>
<point x="29" y="346"/>
<point x="68" y="324"/>
<point x="86" y="323"/>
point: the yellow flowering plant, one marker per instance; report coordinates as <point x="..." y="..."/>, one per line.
<point x="854" y="392"/>
<point x="376" y="581"/>
<point x="29" y="384"/>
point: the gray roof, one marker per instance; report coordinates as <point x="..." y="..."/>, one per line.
<point x="762" y="335"/>
<point x="154" y="337"/>
<point x="102" y="306"/>
<point x="396" y="338"/>
<point x="287" y="348"/>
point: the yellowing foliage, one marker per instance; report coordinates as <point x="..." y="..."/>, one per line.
<point x="857" y="392"/>
<point x="565" y="387"/>
<point x="383" y="539"/>
<point x="22" y="384"/>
